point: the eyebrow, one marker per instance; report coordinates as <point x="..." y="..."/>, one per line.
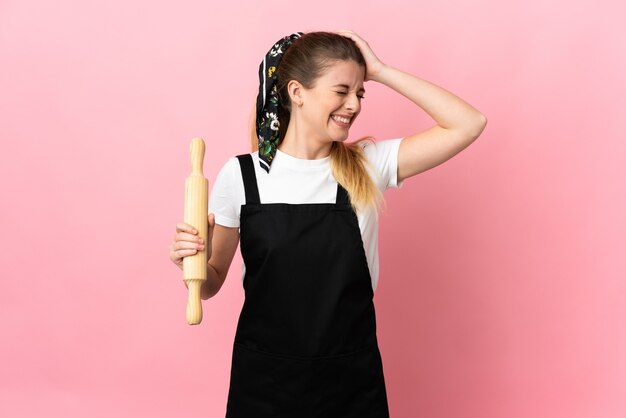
<point x="348" y="87"/>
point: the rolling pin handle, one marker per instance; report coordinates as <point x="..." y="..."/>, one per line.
<point x="196" y="148"/>
<point x="194" y="306"/>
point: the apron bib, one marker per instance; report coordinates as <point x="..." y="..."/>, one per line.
<point x="305" y="344"/>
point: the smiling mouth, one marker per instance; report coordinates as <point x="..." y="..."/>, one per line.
<point x="342" y="120"/>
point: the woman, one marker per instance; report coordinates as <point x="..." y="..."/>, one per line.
<point x="305" y="208"/>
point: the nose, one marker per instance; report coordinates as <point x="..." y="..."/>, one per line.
<point x="353" y="103"/>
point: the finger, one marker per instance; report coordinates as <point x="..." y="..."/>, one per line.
<point x="185" y="253"/>
<point x="183" y="227"/>
<point x="349" y="34"/>
<point x="185" y="245"/>
<point x="184" y="236"/>
<point x="177" y="256"/>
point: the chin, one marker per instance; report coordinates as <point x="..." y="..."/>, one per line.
<point x="338" y="138"/>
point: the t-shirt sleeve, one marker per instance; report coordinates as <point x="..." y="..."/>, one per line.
<point x="225" y="197"/>
<point x="383" y="159"/>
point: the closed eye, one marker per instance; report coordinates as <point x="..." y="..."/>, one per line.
<point x="360" y="96"/>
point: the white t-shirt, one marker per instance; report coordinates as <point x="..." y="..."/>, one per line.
<point x="296" y="181"/>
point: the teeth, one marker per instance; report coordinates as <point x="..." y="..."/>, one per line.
<point x="341" y="119"/>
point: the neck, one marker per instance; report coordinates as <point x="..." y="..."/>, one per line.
<point x="299" y="143"/>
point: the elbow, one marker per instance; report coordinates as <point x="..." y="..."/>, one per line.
<point x="213" y="282"/>
<point x="483" y="121"/>
<point x="477" y="127"/>
<point x="209" y="293"/>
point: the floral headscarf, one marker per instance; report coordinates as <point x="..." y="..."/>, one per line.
<point x="267" y="106"/>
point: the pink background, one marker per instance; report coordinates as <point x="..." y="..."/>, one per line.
<point x="502" y="271"/>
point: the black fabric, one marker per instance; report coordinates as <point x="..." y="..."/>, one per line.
<point x="306" y="343"/>
<point x="252" y="190"/>
<point x="247" y="168"/>
<point x="267" y="103"/>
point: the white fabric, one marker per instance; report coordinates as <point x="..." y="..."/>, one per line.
<point x="295" y="181"/>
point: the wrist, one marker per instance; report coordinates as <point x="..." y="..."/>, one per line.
<point x="378" y="73"/>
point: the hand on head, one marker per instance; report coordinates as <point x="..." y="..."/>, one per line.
<point x="372" y="62"/>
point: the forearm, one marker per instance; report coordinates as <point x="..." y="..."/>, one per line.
<point x="211" y="285"/>
<point x="448" y="110"/>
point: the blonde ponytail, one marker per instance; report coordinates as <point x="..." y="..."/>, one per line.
<point x="348" y="164"/>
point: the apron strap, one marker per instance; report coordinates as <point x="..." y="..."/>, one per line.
<point x="252" y="190"/>
<point x="249" y="179"/>
<point x="342" y="196"/>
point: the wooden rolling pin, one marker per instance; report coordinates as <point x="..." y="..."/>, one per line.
<point x="196" y="211"/>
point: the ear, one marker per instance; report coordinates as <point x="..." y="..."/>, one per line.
<point x="295" y="92"/>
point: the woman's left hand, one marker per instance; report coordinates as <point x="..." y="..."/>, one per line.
<point x="373" y="64"/>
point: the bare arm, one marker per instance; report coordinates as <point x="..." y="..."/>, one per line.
<point x="224" y="244"/>
<point x="221" y="249"/>
<point x="458" y="123"/>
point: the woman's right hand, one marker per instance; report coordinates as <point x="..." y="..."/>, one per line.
<point x="187" y="242"/>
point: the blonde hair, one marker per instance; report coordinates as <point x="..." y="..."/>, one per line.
<point x="306" y="60"/>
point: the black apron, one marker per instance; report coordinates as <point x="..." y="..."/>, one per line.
<point x="305" y="344"/>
